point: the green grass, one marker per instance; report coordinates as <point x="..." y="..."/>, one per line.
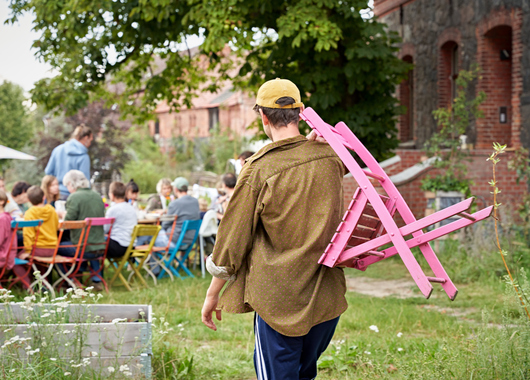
<point x="434" y="344"/>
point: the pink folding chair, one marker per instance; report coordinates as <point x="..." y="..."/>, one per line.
<point x="368" y="222"/>
<point x="78" y="272"/>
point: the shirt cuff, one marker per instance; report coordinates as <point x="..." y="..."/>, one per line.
<point x="220" y="272"/>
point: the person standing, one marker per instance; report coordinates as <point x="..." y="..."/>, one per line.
<point x="285" y="209"/>
<point x="72" y="155"/>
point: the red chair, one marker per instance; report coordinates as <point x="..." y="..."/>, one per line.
<point x="78" y="271"/>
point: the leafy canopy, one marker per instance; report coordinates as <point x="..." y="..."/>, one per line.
<point x="343" y="64"/>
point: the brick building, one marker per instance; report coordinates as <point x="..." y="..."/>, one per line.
<point x="227" y="108"/>
<point x="441" y="37"/>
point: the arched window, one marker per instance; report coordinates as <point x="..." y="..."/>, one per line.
<point x="406" y="97"/>
<point x="447" y="73"/>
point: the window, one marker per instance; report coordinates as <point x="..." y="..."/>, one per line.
<point x="213" y="117"/>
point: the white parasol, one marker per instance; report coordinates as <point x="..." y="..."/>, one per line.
<point x="8" y="153"/>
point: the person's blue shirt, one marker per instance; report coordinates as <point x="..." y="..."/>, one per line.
<point x="72" y="155"/>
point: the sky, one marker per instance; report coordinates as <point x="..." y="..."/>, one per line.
<point x="18" y="63"/>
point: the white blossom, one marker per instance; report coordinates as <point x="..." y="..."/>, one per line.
<point x="374" y="328"/>
<point x="400" y="349"/>
<point x="399" y="334"/>
<point x="111" y="369"/>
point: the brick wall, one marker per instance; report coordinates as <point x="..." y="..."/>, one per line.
<point x="501" y="79"/>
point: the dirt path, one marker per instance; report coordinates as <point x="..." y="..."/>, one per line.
<point x="402" y="288"/>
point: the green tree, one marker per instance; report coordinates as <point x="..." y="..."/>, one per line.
<point x="344" y="64"/>
<point x="15" y="123"/>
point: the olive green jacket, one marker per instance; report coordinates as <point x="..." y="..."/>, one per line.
<point x="85" y="203"/>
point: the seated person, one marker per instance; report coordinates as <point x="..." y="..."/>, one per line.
<point x="185" y="207"/>
<point x="228" y="186"/>
<point x="20" y="196"/>
<point x="203" y="207"/>
<point x="5" y="234"/>
<point x="132" y="192"/>
<point x="242" y="158"/>
<point x="161" y="200"/>
<point x="47" y="239"/>
<point x="125" y="220"/>
<point x="50" y="186"/>
<point x="85" y="203"/>
<point x="10" y="207"/>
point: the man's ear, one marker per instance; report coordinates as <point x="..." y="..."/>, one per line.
<point x="301" y="110"/>
<point x="264" y="117"/>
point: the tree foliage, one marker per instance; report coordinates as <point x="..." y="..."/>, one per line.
<point x="343" y="64"/>
<point x="15" y="123"/>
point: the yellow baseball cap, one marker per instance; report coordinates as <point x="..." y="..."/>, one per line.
<point x="271" y="91"/>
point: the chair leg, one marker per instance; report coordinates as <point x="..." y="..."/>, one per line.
<point x="201" y="241"/>
<point x="44" y="281"/>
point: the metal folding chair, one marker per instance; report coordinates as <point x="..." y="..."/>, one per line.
<point x="162" y="251"/>
<point x="172" y="255"/>
<point x="134" y="256"/>
<point x="208" y="230"/>
<point x="13" y="279"/>
<point x="78" y="271"/>
<point x="368" y="223"/>
<point x="56" y="259"/>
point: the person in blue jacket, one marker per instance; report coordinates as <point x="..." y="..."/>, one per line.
<point x="72" y="155"/>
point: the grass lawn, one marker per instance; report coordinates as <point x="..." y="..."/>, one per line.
<point x="464" y="339"/>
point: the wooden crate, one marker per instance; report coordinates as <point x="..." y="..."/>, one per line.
<point x="116" y="343"/>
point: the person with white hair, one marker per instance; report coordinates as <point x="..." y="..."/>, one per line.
<point x="85" y="203"/>
<point x="163" y="198"/>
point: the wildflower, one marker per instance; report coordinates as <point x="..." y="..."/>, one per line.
<point x="367" y="352"/>
<point x="399" y="334"/>
<point x="33" y="351"/>
<point x="6" y="330"/>
<point x="45" y="315"/>
<point x="89" y="288"/>
<point x="94" y="353"/>
<point x="124" y="368"/>
<point x="12" y="370"/>
<point x="66" y="332"/>
<point x="374" y="328"/>
<point x="118" y="320"/>
<point x="400" y="349"/>
<point x="67" y="373"/>
<point x="127" y="373"/>
<point x="53" y="359"/>
<point x="111" y="369"/>
<point x="69" y="290"/>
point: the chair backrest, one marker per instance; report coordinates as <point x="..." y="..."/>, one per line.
<point x="169" y="218"/>
<point x="144" y="230"/>
<point x="189" y="225"/>
<point x="209" y="224"/>
<point x="16" y="224"/>
<point x="97" y="222"/>
<point x="71" y="225"/>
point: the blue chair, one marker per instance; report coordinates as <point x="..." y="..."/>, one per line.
<point x="188" y="225"/>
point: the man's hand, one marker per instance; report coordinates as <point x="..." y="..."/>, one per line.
<point x="312" y="136"/>
<point x="210" y="305"/>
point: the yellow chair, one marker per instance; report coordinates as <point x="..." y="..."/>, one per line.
<point x="135" y="256"/>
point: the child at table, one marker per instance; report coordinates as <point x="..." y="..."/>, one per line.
<point x="132" y="192"/>
<point x="7" y="257"/>
<point x="5" y="234"/>
<point x="125" y="220"/>
<point x="47" y="239"/>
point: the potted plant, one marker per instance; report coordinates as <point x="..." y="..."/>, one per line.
<point x="451" y="184"/>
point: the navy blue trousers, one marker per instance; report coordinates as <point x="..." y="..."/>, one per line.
<point x="280" y="357"/>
